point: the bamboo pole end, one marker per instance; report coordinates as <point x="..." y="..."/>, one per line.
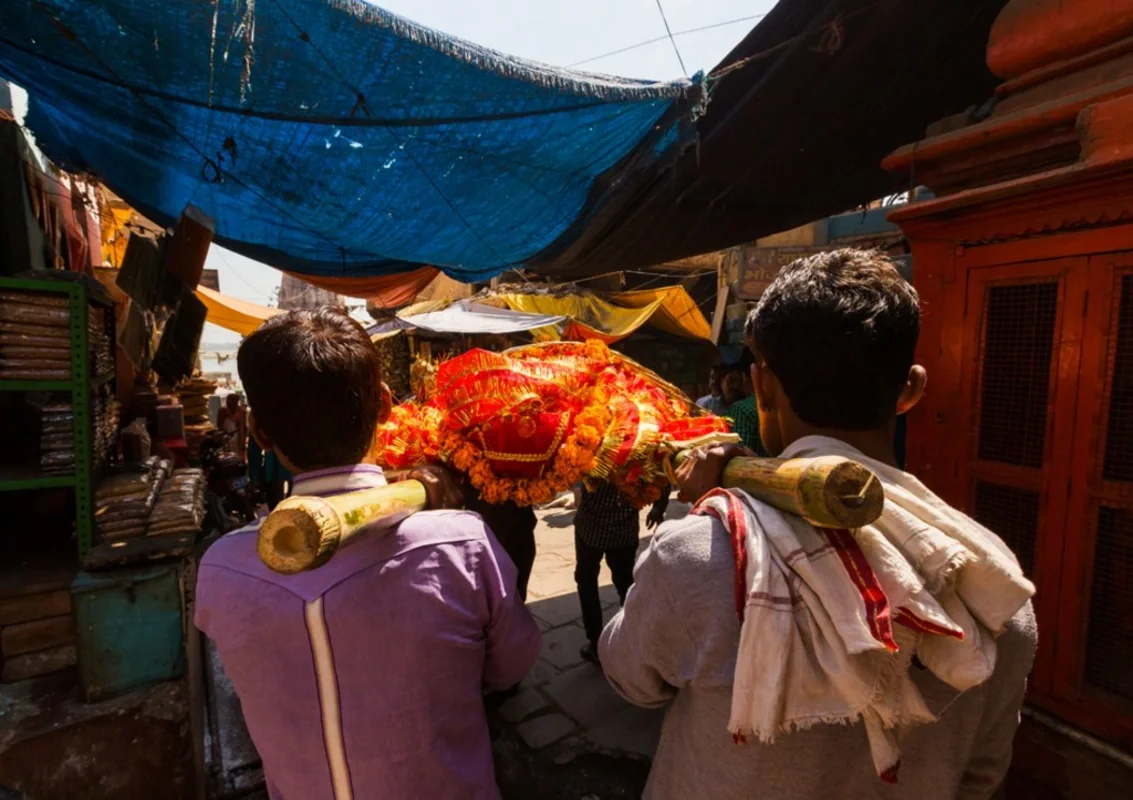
<point x="300" y="534"/>
<point x="853" y="495"/>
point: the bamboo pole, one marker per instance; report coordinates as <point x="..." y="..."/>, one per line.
<point x="827" y="491"/>
<point x="304" y="532"/>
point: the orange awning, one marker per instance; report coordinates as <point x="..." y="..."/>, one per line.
<point x="232" y="313"/>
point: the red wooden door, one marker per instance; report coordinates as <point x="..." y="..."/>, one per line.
<point x="1094" y="633"/>
<point x="1023" y="325"/>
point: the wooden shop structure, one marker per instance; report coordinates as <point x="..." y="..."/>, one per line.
<point x="1024" y="264"/>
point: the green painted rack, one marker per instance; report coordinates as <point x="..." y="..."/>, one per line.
<point x="80" y="386"/>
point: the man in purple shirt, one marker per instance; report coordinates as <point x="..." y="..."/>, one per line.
<point x="362" y="678"/>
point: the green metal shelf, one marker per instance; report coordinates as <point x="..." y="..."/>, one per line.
<point x="59" y="286"/>
<point x="50" y="386"/>
<point x="80" y="384"/>
<point x="35" y="386"/>
<point x="16" y="479"/>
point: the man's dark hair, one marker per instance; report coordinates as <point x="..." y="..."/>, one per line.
<point x="313" y="381"/>
<point x="839" y="330"/>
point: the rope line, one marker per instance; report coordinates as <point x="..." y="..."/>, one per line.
<point x="668" y="30"/>
<point x="656" y="39"/>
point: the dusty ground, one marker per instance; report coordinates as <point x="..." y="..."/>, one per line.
<point x="567" y="735"/>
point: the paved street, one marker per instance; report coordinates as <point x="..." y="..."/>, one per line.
<point x="566" y="707"/>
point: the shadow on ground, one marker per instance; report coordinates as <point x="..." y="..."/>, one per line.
<point x="561" y="519"/>
<point x="523" y="774"/>
<point x="566" y="734"/>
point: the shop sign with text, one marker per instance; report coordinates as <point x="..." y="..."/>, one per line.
<point x="760" y="265"/>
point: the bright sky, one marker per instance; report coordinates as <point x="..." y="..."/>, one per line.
<point x="555" y="33"/>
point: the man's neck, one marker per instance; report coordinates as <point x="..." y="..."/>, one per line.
<point x="295" y="469"/>
<point x="875" y="444"/>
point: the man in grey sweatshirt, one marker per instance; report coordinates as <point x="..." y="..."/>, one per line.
<point x="834" y="339"/>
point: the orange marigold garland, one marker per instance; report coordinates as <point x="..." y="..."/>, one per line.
<point x="532" y="422"/>
<point x="410" y="437"/>
<point x="573" y="460"/>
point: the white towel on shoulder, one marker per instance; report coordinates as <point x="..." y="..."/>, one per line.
<point x="831" y="619"/>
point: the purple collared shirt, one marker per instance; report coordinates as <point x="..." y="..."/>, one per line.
<point x="363" y="678"/>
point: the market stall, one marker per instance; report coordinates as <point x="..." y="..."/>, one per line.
<point x="103" y="509"/>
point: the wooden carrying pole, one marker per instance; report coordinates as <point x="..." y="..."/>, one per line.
<point x="830" y="492"/>
<point x="827" y="491"/>
<point x="304" y="532"/>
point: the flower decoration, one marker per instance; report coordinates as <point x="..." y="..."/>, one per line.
<point x="529" y="423"/>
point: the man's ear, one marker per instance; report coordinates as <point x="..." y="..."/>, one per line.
<point x="763" y="384"/>
<point x="262" y="439"/>
<point x="913" y="390"/>
<point x="386" y="405"/>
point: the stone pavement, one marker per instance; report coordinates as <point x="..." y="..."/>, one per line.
<point x="565" y="706"/>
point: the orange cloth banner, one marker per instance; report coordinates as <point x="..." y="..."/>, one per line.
<point x="386" y="291"/>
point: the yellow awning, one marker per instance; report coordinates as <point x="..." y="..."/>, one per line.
<point x="671" y="309"/>
<point x="423" y="307"/>
<point x="233" y="314"/>
<point x="381" y="337"/>
<point x="678" y="313"/>
<point x="589" y="316"/>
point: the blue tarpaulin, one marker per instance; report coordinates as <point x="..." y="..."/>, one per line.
<point x="330" y="137"/>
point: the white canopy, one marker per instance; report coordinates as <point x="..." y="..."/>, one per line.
<point x="465" y="316"/>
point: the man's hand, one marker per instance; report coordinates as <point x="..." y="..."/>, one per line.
<point x="655" y="517"/>
<point x="442" y="486"/>
<point x="703" y="470"/>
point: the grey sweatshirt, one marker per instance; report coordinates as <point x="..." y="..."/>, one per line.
<point x="675" y="643"/>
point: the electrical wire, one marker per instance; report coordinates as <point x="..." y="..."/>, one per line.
<point x="236" y="272"/>
<point x="833" y="32"/>
<point x="668" y="30"/>
<point x="656" y="39"/>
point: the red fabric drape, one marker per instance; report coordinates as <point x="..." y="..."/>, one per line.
<point x="387" y="291"/>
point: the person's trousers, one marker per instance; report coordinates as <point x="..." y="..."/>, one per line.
<point x="519" y="544"/>
<point x="588" y="562"/>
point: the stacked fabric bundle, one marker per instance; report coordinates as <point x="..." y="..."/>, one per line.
<point x="195" y="433"/>
<point x="57" y="433"/>
<point x="180" y="504"/>
<point x="57" y="439"/>
<point x="193" y="396"/>
<point x="98" y="343"/>
<point x="123" y="501"/>
<point x="35" y="337"/>
<point x="105" y="416"/>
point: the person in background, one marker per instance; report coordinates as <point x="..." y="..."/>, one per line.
<point x="745" y="423"/>
<point x="514" y="527"/>
<point x="233" y="420"/>
<point x="833" y="338"/>
<point x="277" y="478"/>
<point x="732" y="388"/>
<point x="363" y="677"/>
<point x="267" y="473"/>
<point x="606" y="525"/>
<point x="712" y="401"/>
<point x="256" y="478"/>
